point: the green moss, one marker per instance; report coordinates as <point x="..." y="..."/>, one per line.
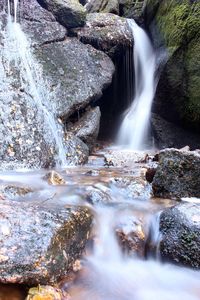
<point x="179" y="25"/>
<point x="178" y="22"/>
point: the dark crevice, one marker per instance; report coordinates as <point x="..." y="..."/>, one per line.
<point x="53" y="41"/>
<point x="117" y="97"/>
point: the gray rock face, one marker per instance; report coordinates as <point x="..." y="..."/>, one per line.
<point x="39" y="243"/>
<point x="104" y="6"/>
<point x="77" y="151"/>
<point x="42" y="79"/>
<point x="106" y="32"/>
<point x="76" y="74"/>
<point x="180" y="229"/>
<point x="69" y="13"/>
<point x="132" y="9"/>
<point x="87" y="128"/>
<point x="168" y="135"/>
<point x="178" y="174"/>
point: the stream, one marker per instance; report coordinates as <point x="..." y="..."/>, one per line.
<point x="107" y="271"/>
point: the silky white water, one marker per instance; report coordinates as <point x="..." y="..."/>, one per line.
<point x="109" y="275"/>
<point x="18" y="51"/>
<point x="133" y="133"/>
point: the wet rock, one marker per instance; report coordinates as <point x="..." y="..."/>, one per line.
<point x="120" y="158"/>
<point x="87" y="127"/>
<point x="58" y="78"/>
<point x="106" y="32"/>
<point x="11" y="191"/>
<point x="103" y="6"/>
<point x="96" y="195"/>
<point x="175" y="26"/>
<point x="131" y="187"/>
<point x="69" y="13"/>
<point x="180" y="235"/>
<point x="178" y="174"/>
<point x="131" y="235"/>
<point x="77" y="152"/>
<point x="150" y="173"/>
<point x="76" y="74"/>
<point x="46" y="292"/>
<point x="39" y="243"/>
<point x="54" y="178"/>
<point x="169" y="135"/>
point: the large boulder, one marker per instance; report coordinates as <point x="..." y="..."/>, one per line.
<point x="40" y="242"/>
<point x="106" y="32"/>
<point x="169" y="135"/>
<point x="76" y="74"/>
<point x="43" y="77"/>
<point x="175" y="25"/>
<point x="178" y="174"/>
<point x="69" y="13"/>
<point x="180" y="235"/>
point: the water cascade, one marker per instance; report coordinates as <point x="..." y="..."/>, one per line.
<point x="108" y="274"/>
<point x="18" y="52"/>
<point x="134" y="129"/>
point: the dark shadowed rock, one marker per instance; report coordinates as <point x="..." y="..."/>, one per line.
<point x="39" y="243"/>
<point x="132" y="9"/>
<point x="169" y="135"/>
<point x="180" y="235"/>
<point x="106" y="32"/>
<point x="69" y="13"/>
<point x="87" y="127"/>
<point x="103" y="6"/>
<point x="178" y="174"/>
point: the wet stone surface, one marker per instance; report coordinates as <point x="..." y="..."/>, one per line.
<point x="180" y="235"/>
<point x="39" y="243"/>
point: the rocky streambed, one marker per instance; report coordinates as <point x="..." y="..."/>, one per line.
<point x="51" y="224"/>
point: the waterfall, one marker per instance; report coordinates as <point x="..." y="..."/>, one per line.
<point x="134" y="129"/>
<point x="18" y="50"/>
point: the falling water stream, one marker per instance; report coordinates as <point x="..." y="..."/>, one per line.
<point x="18" y="50"/>
<point x="135" y="127"/>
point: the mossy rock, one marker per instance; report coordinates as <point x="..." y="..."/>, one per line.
<point x="180" y="240"/>
<point x="178" y="93"/>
